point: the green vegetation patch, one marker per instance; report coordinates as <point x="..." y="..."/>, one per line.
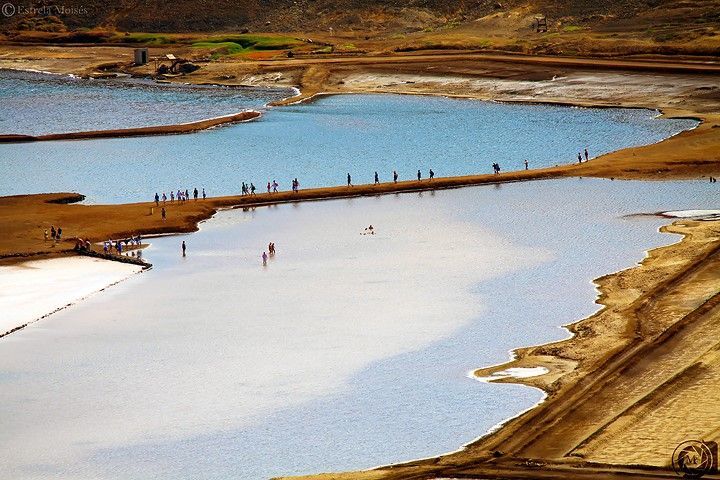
<point x="221" y="48"/>
<point x="573" y="28"/>
<point x="244" y="43"/>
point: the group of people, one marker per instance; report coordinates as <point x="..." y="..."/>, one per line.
<point x="496" y="166"/>
<point x="272" y="187"/>
<point x="713" y="180"/>
<point x="369" y="231"/>
<point x="55" y="234"/>
<point x="181" y="196"/>
<point x="580" y="156"/>
<point x="117" y="245"/>
<point x="82" y="245"/>
<point x="271" y="252"/>
<point x="247" y="189"/>
<point x="395" y="175"/>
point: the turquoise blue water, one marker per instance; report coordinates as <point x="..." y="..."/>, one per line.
<point x="319" y="143"/>
<point x="346" y="352"/>
<point x="36" y="103"/>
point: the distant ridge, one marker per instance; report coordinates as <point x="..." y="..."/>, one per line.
<point x="368" y="15"/>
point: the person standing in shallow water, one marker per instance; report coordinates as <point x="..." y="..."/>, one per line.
<point x="184" y="247"/>
<point x="264" y="259"/>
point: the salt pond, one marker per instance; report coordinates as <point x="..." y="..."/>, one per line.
<point x="346" y="351"/>
<point x="37" y="103"/>
<point x="319" y="143"/>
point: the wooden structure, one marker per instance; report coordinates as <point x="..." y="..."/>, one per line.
<point x="540" y="23"/>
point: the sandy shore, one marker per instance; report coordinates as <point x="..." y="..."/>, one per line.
<point x="633" y="372"/>
<point x="35" y="289"/>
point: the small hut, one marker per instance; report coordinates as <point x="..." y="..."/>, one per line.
<point x="141" y="56"/>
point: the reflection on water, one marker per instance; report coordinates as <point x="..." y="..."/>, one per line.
<point x="319" y="143"/>
<point x="347" y="351"/>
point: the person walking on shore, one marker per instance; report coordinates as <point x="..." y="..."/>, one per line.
<point x="526" y="164"/>
<point x="184" y="247"/>
<point x="377" y="178"/>
<point x="164" y="198"/>
<point x="432" y="174"/>
<point x="395" y="176"/>
<point x="252" y="189"/>
<point x="243" y="189"/>
<point x="163" y="214"/>
<point x="579" y="157"/>
<point x="195" y="193"/>
<point x="204" y="194"/>
<point x="268" y="187"/>
<point x="172" y="196"/>
<point x="157" y="200"/>
<point x="274" y="185"/>
<point x="59" y="233"/>
<point x="349" y="179"/>
<point x="586" y="155"/>
<point x="419" y="175"/>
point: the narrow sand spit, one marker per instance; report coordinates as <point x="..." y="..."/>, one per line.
<point x="176" y="129"/>
<point x="33" y="290"/>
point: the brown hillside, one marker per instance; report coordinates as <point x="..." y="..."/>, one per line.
<point x="368" y="15"/>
